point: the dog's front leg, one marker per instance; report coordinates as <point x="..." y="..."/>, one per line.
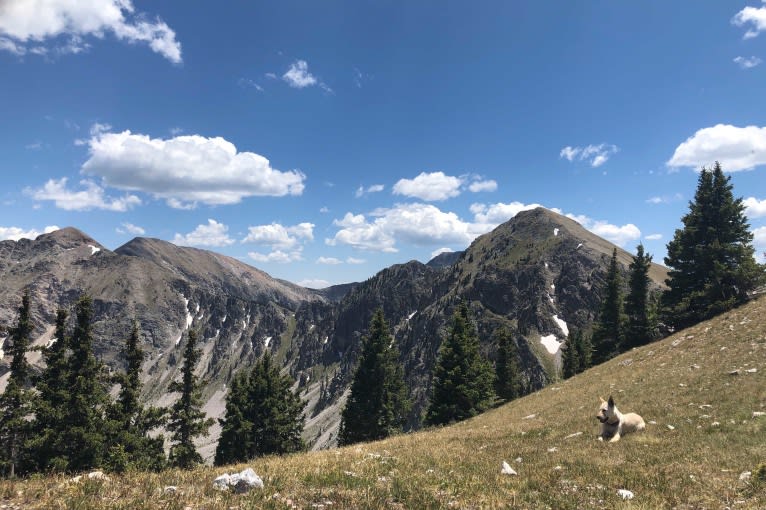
<point x="615" y="437"/>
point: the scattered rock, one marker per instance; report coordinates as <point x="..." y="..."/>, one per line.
<point x="518" y="459"/>
<point x="757" y="414"/>
<point x="241" y="482"/>
<point x="507" y="469"/>
<point x="734" y="372"/>
<point x="715" y="424"/>
<point x="170" y="489"/>
<point x="625" y="494"/>
<point x="93" y="475"/>
<point x="552" y="449"/>
<point x="751" y="370"/>
<point x="744" y="477"/>
<point x="531" y="416"/>
<point x="570" y="436"/>
<point x="671" y="427"/>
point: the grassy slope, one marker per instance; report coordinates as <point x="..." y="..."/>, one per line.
<point x="683" y="381"/>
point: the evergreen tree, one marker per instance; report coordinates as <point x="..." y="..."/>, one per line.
<point x="187" y="420"/>
<point x="462" y="378"/>
<point x="711" y="262"/>
<point x="235" y="442"/>
<point x="607" y="333"/>
<point x="131" y="446"/>
<point x="638" y="329"/>
<point x="50" y="405"/>
<point x="377" y="405"/>
<point x="15" y="402"/>
<point x="584" y="349"/>
<point x="263" y="415"/>
<point x="570" y="355"/>
<point x="81" y="436"/>
<point x="507" y="370"/>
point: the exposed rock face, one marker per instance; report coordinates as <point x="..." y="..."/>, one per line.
<point x="531" y="275"/>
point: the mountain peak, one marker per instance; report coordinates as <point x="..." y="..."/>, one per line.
<point x="68" y="237"/>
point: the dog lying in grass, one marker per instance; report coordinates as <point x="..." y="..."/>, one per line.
<point x="614" y="424"/>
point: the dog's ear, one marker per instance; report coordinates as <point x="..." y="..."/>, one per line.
<point x="611" y="401"/>
<point x="602" y="399"/>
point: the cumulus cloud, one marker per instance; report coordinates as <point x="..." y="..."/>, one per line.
<point x="418" y="224"/>
<point x="16" y="233"/>
<point x="478" y="186"/>
<point x="747" y="62"/>
<point x="434" y="186"/>
<point x="314" y="284"/>
<point x="129" y="228"/>
<point x="64" y="24"/>
<point x="278" y="256"/>
<point x="736" y="148"/>
<point x="653" y="237"/>
<point x="212" y="234"/>
<point x="752" y="17"/>
<point x="665" y="199"/>
<point x="597" y="155"/>
<point x="619" y="235"/>
<point x="754" y="208"/>
<point x="495" y="214"/>
<point x="759" y="243"/>
<point x="330" y="261"/>
<point x="438" y="252"/>
<point x="286" y="243"/>
<point x="299" y="77"/>
<point x="186" y="169"/>
<point x="354" y="260"/>
<point x="92" y="197"/>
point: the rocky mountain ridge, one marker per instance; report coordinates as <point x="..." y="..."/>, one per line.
<point x="538" y="274"/>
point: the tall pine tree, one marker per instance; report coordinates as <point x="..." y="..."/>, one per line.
<point x="15" y="401"/>
<point x="263" y="415"/>
<point x="187" y="420"/>
<point x="507" y="369"/>
<point x="638" y="328"/>
<point x="711" y="262"/>
<point x="81" y="436"/>
<point x="51" y="403"/>
<point x="131" y="446"/>
<point x="607" y="332"/>
<point x="462" y="378"/>
<point x="378" y="404"/>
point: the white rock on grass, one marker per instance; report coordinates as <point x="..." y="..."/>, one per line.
<point x="757" y="414"/>
<point x="507" y="469"/>
<point x="625" y="494"/>
<point x="241" y="482"/>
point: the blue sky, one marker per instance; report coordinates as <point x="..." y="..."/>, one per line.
<point x="324" y="141"/>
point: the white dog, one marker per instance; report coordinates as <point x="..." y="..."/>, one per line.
<point x="614" y="424"/>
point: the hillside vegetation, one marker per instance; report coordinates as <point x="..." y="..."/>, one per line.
<point x="701" y="392"/>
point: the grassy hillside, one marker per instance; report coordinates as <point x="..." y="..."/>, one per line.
<point x="698" y="391"/>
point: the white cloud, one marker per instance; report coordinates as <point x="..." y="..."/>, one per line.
<point x="298" y="76"/>
<point x="212" y="234"/>
<point x="185" y="169"/>
<point x="355" y="261"/>
<point x="495" y="214"/>
<point x="278" y="256"/>
<point x="665" y="199"/>
<point x="24" y="21"/>
<point x="754" y="208"/>
<point x="756" y="16"/>
<point x="759" y="243"/>
<point x="246" y="83"/>
<point x="286" y="242"/>
<point x="330" y="261"/>
<point x="279" y="236"/>
<point x="653" y="237"/>
<point x="375" y="188"/>
<point x="438" y="252"/>
<point x="480" y="185"/>
<point x="747" y="62"/>
<point x="92" y="197"/>
<point x="734" y="147"/>
<point x="596" y="154"/>
<point x="429" y="186"/>
<point x="16" y="233"/>
<point x="129" y="228"/>
<point x="619" y="235"/>
<point x="314" y="284"/>
<point x="419" y="224"/>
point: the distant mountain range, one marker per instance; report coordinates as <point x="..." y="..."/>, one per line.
<point x="538" y="274"/>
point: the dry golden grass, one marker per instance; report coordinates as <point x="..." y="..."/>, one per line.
<point x="684" y="382"/>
